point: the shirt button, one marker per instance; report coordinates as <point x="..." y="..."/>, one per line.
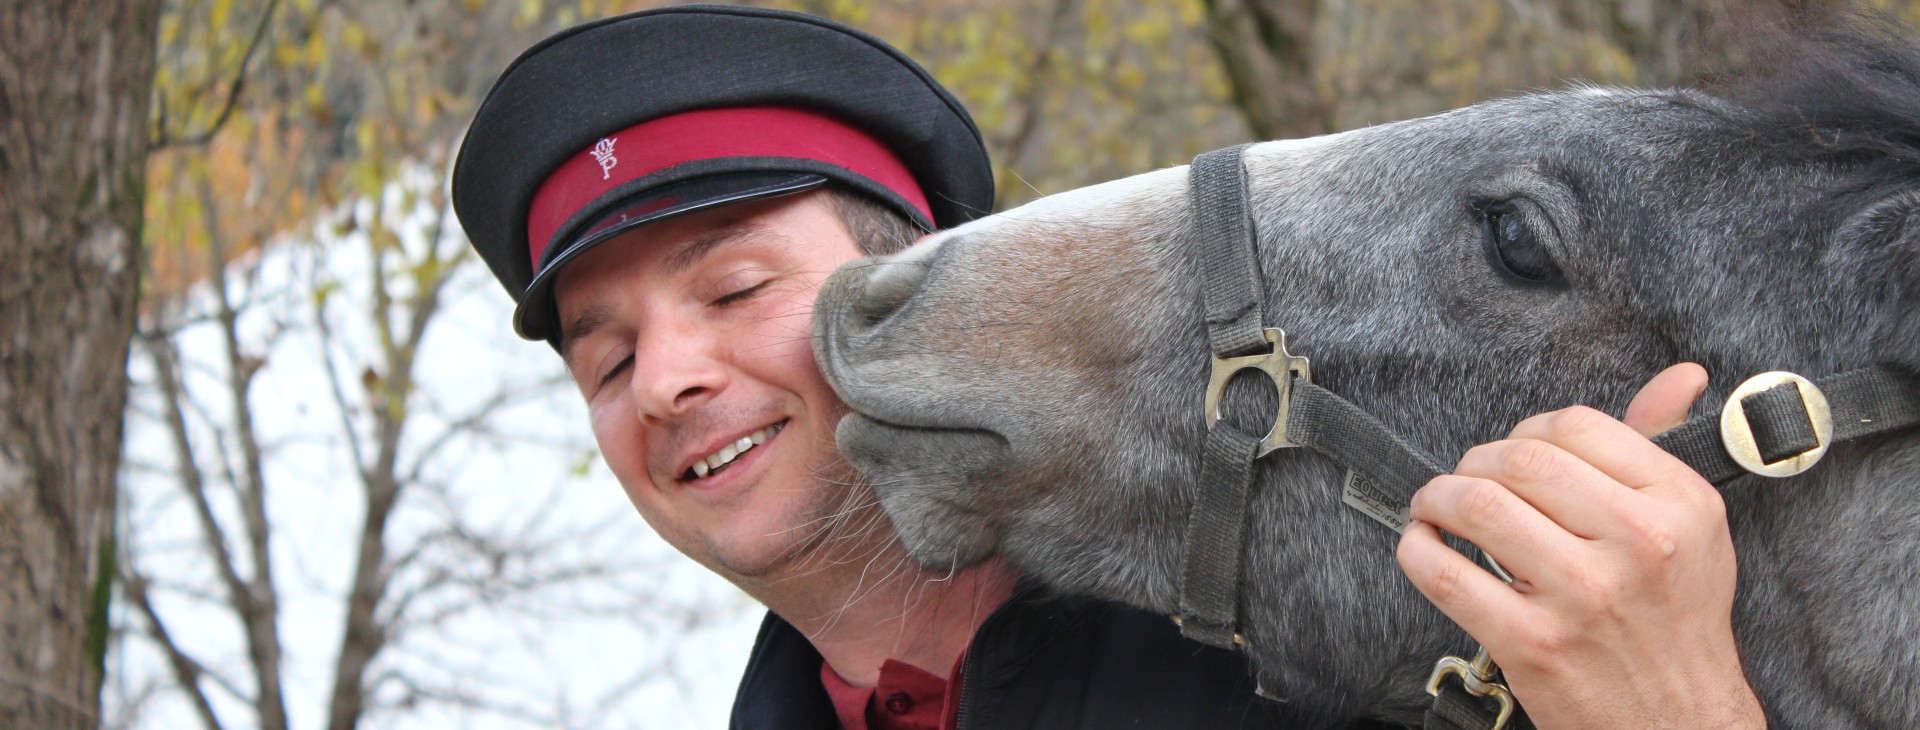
<point x="899" y="703"/>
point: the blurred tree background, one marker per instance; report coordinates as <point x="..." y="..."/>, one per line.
<point x="327" y="127"/>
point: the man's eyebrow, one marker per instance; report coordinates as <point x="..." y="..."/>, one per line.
<point x="585" y="323"/>
<point x="700" y="246"/>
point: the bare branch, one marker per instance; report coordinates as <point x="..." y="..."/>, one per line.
<point x="161" y="141"/>
<point x="344" y="408"/>
<point x="413" y="693"/>
<point x="1015" y="145"/>
<point x="473" y="419"/>
<point x="1265" y="48"/>
<point x="166" y="365"/>
<point x="186" y="669"/>
<point x="130" y="702"/>
<point x="609" y="700"/>
<point x="366" y="635"/>
<point x="259" y="615"/>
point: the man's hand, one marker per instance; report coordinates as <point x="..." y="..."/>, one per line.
<point x="1620" y="614"/>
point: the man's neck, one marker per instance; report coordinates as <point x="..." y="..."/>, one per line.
<point x="909" y="615"/>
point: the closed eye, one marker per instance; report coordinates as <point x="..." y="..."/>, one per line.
<point x="740" y="296"/>
<point x="618" y="368"/>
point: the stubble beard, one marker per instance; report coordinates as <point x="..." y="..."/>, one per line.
<point x="840" y="529"/>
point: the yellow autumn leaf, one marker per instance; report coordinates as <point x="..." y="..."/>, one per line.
<point x="352" y="36"/>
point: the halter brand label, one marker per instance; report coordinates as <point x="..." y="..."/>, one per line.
<point x="1360" y="494"/>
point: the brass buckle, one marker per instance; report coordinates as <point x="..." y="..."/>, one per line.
<point x="1737" y="434"/>
<point x="1279" y="365"/>
<point x="1476" y="677"/>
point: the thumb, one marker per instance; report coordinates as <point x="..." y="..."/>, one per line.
<point x="1662" y="403"/>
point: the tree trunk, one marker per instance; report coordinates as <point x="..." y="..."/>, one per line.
<point x="1304" y="67"/>
<point x="1266" y="49"/>
<point x="75" y="85"/>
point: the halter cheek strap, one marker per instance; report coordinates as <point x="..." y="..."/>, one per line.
<point x="1230" y="278"/>
<point x="1774" y="424"/>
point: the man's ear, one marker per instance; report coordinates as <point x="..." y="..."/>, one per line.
<point x="1886" y="237"/>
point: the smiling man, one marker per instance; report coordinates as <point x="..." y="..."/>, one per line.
<point x="662" y="193"/>
<point x="651" y="334"/>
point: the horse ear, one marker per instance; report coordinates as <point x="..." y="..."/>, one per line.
<point x="1890" y="228"/>
<point x="1886" y="238"/>
<point x="1890" y="215"/>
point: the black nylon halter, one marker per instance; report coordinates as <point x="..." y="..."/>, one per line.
<point x="1783" y="421"/>
<point x="1230" y="278"/>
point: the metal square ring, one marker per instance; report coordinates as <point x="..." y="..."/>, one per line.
<point x="1737" y="434"/>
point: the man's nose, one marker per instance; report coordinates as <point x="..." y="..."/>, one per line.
<point x="673" y="374"/>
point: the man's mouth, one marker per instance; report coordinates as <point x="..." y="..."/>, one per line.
<point x="719" y="460"/>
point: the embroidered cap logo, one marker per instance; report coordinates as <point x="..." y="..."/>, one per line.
<point x="603" y="151"/>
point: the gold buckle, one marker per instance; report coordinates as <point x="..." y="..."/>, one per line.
<point x="1737" y="434"/>
<point x="1279" y="365"/>
<point x="1476" y="677"/>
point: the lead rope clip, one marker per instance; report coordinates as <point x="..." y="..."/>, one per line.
<point x="1477" y="678"/>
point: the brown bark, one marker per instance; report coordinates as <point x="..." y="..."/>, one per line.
<point x="1303" y="67"/>
<point x="75" y="85"/>
<point x="1045" y="49"/>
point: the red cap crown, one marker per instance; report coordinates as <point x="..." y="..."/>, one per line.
<point x="649" y="147"/>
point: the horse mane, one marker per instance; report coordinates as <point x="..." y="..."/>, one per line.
<point x="1840" y="92"/>
<point x="1843" y="90"/>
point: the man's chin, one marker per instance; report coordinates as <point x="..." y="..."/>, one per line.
<point x="755" y="563"/>
<point x="777" y="551"/>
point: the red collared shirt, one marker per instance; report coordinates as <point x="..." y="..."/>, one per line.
<point x="906" y="698"/>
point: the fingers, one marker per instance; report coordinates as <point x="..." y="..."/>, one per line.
<point x="1562" y="480"/>
<point x="1494" y="517"/>
<point x="1592" y="475"/>
<point x="1469" y="595"/>
<point x="1627" y="566"/>
<point x="1614" y="448"/>
<point x="1663" y="402"/>
<point x="1565" y="489"/>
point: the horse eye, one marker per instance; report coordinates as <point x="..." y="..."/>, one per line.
<point x="1511" y="244"/>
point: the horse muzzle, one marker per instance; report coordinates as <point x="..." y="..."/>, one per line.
<point x="861" y="356"/>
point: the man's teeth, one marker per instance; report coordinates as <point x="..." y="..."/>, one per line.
<point x="732" y="451"/>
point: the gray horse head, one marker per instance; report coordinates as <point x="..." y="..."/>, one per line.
<point x="1030" y="384"/>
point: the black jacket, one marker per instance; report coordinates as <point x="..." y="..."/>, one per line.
<point x="1042" y="662"/>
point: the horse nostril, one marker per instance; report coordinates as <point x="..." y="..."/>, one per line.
<point x="892" y="280"/>
<point x="889" y="285"/>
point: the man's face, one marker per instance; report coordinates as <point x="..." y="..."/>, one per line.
<point x="688" y="337"/>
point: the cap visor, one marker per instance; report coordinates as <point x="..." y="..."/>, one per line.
<point x="534" y="319"/>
